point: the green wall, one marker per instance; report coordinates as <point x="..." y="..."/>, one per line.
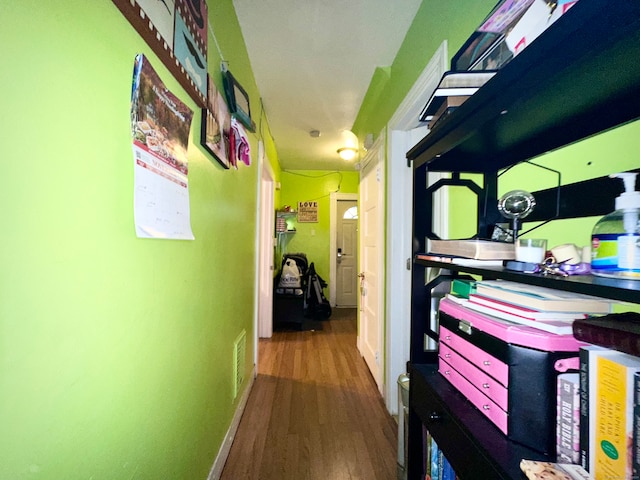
<point x="610" y="152"/>
<point x="434" y="22"/>
<point x="313" y="238"/>
<point x="115" y="352"/>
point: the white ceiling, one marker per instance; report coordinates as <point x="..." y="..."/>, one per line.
<point x="313" y="62"/>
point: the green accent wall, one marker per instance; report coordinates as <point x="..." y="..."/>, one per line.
<point x="313" y="238"/>
<point x="115" y="351"/>
<point x="434" y="22"/>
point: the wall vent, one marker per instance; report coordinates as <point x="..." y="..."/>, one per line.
<point x="239" y="349"/>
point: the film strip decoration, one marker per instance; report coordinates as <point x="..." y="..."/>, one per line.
<point x="176" y="30"/>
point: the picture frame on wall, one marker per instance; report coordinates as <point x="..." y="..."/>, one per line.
<point x="238" y="99"/>
<point x="216" y="126"/>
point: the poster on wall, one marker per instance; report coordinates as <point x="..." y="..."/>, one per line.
<point x="160" y="125"/>
<point x="175" y="30"/>
<point x="195" y="15"/>
<point x="188" y="53"/>
<point x="161" y="14"/>
<point x="308" y="212"/>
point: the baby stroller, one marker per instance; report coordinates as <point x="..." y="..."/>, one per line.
<point x="316" y="306"/>
<point x="292" y="277"/>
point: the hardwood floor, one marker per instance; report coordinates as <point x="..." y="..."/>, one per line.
<point x="314" y="411"/>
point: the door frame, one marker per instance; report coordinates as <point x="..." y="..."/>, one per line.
<point x="376" y="154"/>
<point x="265" y="242"/>
<point x="404" y="130"/>
<point x="333" y="231"/>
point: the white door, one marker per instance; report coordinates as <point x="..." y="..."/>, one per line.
<point x="266" y="252"/>
<point x="347" y="253"/>
<point x="370" y="339"/>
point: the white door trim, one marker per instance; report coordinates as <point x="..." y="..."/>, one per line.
<point x="375" y="158"/>
<point x="404" y="131"/>
<point x="333" y="227"/>
<point x="263" y="326"/>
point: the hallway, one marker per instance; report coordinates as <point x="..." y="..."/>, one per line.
<point x="314" y="412"/>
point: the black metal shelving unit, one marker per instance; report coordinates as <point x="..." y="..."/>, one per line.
<point x="579" y="78"/>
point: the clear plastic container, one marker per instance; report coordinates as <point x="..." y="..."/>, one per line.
<point x="615" y="240"/>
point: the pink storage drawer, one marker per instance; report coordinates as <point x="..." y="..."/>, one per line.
<point x="532" y="360"/>
<point x="484" y="383"/>
<point x="481" y="359"/>
<point x="492" y="411"/>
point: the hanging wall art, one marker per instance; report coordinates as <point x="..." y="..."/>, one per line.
<point x="176" y="30"/>
<point x="216" y="126"/>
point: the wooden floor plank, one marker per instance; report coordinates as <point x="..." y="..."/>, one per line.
<point x="314" y="412"/>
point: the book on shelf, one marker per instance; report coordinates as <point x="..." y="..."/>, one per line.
<point x="618" y="331"/>
<point x="557" y="327"/>
<point x="438" y="467"/>
<point x="542" y="298"/>
<point x="462" y="287"/>
<point x="427" y="441"/>
<point x="635" y="446"/>
<point x="473" y="248"/>
<point x="568" y="418"/>
<point x="464" y="83"/>
<point x="588" y="355"/>
<point x="447" y="105"/>
<point x="435" y="460"/>
<point x="535" y="470"/>
<point x="524" y="312"/>
<point x="614" y="415"/>
<point x="468" y="262"/>
<point x="438" y="117"/>
<point x="447" y="472"/>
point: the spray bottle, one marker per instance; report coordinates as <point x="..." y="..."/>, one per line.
<point x="615" y="239"/>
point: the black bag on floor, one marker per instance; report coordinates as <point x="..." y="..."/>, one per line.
<point x="316" y="306"/>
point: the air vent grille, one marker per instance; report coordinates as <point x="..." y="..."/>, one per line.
<point x="239" y="349"/>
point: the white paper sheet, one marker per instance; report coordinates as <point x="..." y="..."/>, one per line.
<point x="160" y="125"/>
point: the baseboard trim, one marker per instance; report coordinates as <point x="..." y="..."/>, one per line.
<point x="225" y="448"/>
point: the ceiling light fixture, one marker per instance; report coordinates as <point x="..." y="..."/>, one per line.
<point x="349" y="148"/>
<point x="347" y="153"/>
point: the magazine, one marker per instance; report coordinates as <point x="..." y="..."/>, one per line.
<point x="535" y="470"/>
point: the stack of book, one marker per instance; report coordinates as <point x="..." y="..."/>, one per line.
<point x="454" y="88"/>
<point x="477" y="253"/>
<point x="447" y="106"/>
<point x="543" y="308"/>
<point x="608" y="407"/>
<point x="437" y="467"/>
<point x="609" y="421"/>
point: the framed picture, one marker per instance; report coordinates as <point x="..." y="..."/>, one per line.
<point x="238" y="101"/>
<point x="216" y="125"/>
